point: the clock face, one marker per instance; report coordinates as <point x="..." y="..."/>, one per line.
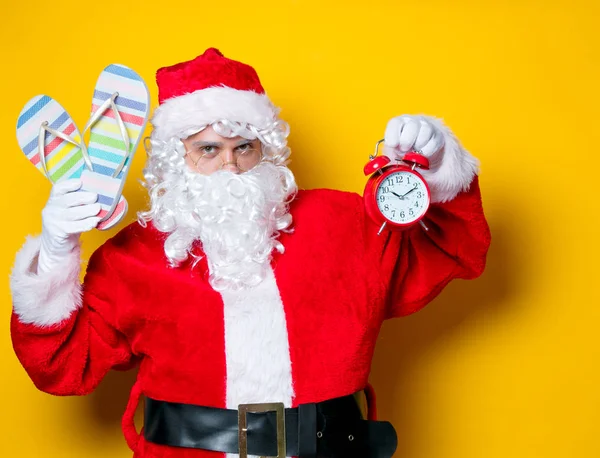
<point x="402" y="197"/>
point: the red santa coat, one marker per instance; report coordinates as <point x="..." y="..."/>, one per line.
<point x="306" y="334"/>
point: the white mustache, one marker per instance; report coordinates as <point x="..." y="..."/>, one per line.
<point x="236" y="217"/>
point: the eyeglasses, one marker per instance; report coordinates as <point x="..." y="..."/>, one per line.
<point x="208" y="159"/>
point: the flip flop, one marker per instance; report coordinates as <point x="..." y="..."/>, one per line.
<point x="44" y="125"/>
<point x="120" y="110"/>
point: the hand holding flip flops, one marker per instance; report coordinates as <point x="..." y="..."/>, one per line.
<point x="88" y="181"/>
<point x="68" y="212"/>
<point x="51" y="141"/>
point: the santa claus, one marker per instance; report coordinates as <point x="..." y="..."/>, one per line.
<point x="251" y="308"/>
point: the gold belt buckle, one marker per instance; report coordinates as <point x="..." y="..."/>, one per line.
<point x="244" y="409"/>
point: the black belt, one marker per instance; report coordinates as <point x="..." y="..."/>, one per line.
<point x="332" y="429"/>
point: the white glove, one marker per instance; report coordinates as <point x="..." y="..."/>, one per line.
<point x="451" y="167"/>
<point x="407" y="132"/>
<point x="66" y="215"/>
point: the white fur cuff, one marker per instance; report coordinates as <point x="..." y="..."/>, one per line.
<point x="47" y="298"/>
<point x="455" y="168"/>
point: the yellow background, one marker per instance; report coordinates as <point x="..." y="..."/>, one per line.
<point x="504" y="366"/>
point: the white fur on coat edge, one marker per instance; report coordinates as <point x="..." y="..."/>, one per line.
<point x="454" y="170"/>
<point x="47" y="298"/>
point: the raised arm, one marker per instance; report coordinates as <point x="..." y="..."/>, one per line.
<point x="416" y="265"/>
<point x="65" y="334"/>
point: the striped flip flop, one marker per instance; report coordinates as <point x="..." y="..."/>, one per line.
<point x="44" y="125"/>
<point x="120" y="109"/>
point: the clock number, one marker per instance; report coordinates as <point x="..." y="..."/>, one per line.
<point x="402" y="215"/>
<point x="382" y="198"/>
<point x="417" y="204"/>
<point x="385" y="189"/>
<point x="393" y="213"/>
<point x="390" y="182"/>
<point x="415" y="185"/>
<point x="411" y="212"/>
<point x="399" y="179"/>
<point x="386" y="207"/>
<point x="419" y="195"/>
<point x="407" y="180"/>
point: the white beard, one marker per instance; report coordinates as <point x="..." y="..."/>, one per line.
<point x="237" y="218"/>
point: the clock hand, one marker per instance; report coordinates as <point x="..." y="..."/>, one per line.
<point x="404" y="195"/>
<point x="398" y="195"/>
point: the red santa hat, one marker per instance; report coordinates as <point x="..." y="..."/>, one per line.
<point x="207" y="89"/>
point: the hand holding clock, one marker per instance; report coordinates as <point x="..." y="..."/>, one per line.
<point x="411" y="143"/>
<point x="409" y="132"/>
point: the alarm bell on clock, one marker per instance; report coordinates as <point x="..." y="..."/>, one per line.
<point x="396" y="194"/>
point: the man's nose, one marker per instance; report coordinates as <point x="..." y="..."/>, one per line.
<point x="229" y="161"/>
<point x="228" y="156"/>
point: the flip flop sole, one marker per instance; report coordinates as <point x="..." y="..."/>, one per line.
<point x="106" y="148"/>
<point x="63" y="160"/>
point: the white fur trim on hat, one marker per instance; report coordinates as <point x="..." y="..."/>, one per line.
<point x="47" y="298"/>
<point x="456" y="167"/>
<point x="206" y="106"/>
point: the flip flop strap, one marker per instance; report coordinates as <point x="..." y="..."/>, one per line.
<point x="44" y="127"/>
<point x="109" y="103"/>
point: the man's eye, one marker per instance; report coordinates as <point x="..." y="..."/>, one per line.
<point x="208" y="150"/>
<point x="245" y="147"/>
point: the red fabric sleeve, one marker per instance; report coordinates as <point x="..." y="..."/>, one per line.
<point x="72" y="356"/>
<point x="416" y="265"/>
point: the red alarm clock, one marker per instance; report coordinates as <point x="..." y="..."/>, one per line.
<point x="396" y="195"/>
